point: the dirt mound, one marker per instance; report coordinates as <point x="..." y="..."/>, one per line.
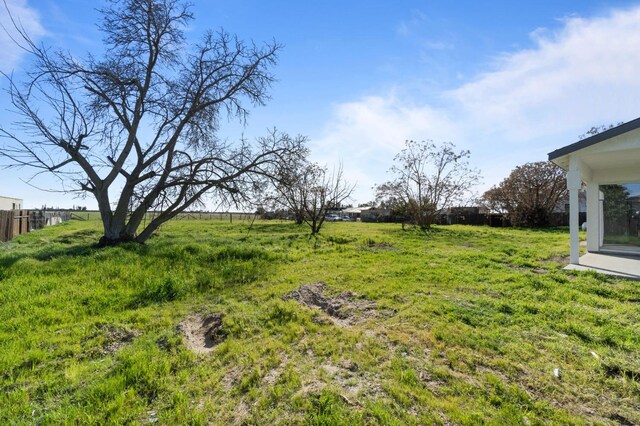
<point x="202" y="332"/>
<point x="343" y="309"/>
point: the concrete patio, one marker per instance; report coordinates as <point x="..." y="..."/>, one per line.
<point x="609" y="264"/>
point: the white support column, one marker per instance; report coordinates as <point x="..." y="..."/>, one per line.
<point x="601" y="217"/>
<point x="574" y="182"/>
<point x="593" y="217"/>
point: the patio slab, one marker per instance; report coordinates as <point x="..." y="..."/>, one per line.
<point x="609" y="264"/>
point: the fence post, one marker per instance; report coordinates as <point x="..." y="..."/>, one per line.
<point x="5" y="225"/>
<point x="15" y="227"/>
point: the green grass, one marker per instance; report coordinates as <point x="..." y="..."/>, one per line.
<point x="469" y="325"/>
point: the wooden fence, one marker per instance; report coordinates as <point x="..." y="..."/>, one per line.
<point x="190" y="215"/>
<point x="16" y="222"/>
<point x="225" y="216"/>
<point x="230" y="216"/>
<point x="12" y="223"/>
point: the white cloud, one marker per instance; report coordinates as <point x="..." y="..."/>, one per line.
<point x="25" y="17"/>
<point x="584" y="74"/>
<point x="531" y="102"/>
<point x="366" y="134"/>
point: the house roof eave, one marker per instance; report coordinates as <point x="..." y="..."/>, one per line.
<point x="600" y="137"/>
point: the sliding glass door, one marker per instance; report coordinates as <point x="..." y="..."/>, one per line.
<point x="621" y="214"/>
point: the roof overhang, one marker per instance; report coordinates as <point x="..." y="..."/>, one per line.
<point x="595" y="139"/>
<point x="612" y="156"/>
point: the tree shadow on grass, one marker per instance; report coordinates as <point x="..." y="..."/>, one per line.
<point x="7" y="261"/>
<point x="275" y="228"/>
<point x="72" y="244"/>
<point x="53" y="252"/>
<point x="212" y="276"/>
<point x="47" y="253"/>
<point x="415" y="232"/>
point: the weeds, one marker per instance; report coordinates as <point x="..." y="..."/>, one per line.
<point x="464" y="325"/>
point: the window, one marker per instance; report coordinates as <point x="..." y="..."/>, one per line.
<point x="621" y="209"/>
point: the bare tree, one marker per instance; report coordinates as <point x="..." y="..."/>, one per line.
<point x="138" y="129"/>
<point x="311" y="191"/>
<point x="428" y="178"/>
<point x="322" y="192"/>
<point x="529" y="194"/>
<point x="288" y="188"/>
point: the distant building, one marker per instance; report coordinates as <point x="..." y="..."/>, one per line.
<point x="7" y="203"/>
<point x="355" y="213"/>
<point x="379" y="215"/>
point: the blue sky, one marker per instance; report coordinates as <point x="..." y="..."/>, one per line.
<point x="508" y="80"/>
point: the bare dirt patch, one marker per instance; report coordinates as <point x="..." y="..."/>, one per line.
<point x="311" y="387"/>
<point x="537" y="270"/>
<point x="231" y="378"/>
<point x="430" y="383"/>
<point x="202" y="333"/>
<point x="562" y="260"/>
<point x="274" y="374"/>
<point x="241" y="413"/>
<point x="112" y="337"/>
<point x="381" y="246"/>
<point x="515" y="267"/>
<point x="353" y="385"/>
<point x="344" y="309"/>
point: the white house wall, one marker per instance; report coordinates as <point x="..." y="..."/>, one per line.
<point x="7" y="203"/>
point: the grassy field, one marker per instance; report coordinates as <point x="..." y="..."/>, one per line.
<point x="465" y="325"/>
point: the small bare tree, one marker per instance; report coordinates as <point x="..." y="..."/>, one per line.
<point x="311" y="191"/>
<point x="428" y="178"/>
<point x="137" y="129"/>
<point x="286" y="191"/>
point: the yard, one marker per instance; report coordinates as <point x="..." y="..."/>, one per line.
<point x="368" y="324"/>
